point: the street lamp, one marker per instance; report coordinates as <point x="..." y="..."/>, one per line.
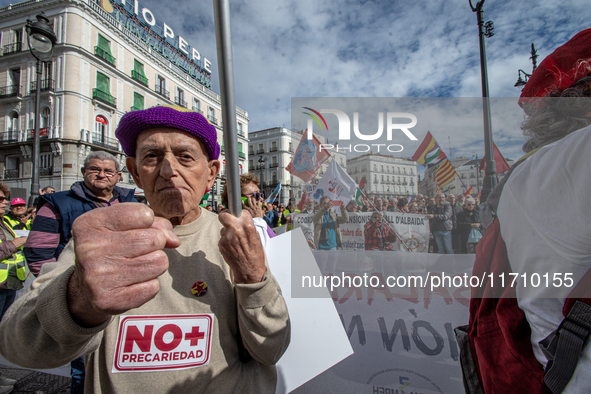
<point x="261" y="167"/>
<point x="534" y="56"/>
<point x="490" y="173"/>
<point x="41" y="39"/>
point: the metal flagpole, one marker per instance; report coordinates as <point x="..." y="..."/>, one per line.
<point x="221" y="9"/>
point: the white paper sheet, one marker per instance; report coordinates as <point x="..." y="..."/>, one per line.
<point x="318" y="339"/>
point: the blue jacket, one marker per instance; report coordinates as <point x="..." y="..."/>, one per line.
<point x="70" y="204"/>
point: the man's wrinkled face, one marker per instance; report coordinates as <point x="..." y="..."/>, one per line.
<point x="309" y="204"/>
<point x="440" y="199"/>
<point x="451" y="199"/>
<point x="431" y="201"/>
<point x="18" y="210"/>
<point x="173" y="169"/>
<point x="100" y="175"/>
<point x="326" y="203"/>
<point x="378" y="203"/>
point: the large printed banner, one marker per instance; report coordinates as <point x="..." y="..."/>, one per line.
<point x="412" y="228"/>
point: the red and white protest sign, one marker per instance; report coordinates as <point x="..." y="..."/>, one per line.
<point x="162" y="342"/>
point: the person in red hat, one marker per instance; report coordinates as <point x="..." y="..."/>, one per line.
<point x="16" y="219"/>
<point x="543" y="238"/>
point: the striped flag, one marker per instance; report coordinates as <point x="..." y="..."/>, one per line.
<point x="445" y="173"/>
<point x="469" y="191"/>
<point x="360" y="191"/>
<point x="429" y="152"/>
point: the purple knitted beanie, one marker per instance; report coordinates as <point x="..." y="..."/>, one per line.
<point x="134" y="122"/>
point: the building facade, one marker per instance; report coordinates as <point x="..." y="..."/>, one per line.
<point x="385" y="176"/>
<point x="271" y="150"/>
<point x="105" y="63"/>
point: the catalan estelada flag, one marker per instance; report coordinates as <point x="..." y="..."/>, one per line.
<point x="445" y="174"/>
<point x="429" y="151"/>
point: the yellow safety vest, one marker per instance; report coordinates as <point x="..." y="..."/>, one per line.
<point x="14" y="265"/>
<point x="11" y="223"/>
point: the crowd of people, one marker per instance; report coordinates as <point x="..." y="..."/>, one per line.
<point x="451" y="217"/>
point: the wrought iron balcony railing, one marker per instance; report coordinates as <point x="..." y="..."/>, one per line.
<point x="10" y="91"/>
<point x="104" y="55"/>
<point x="179" y="101"/>
<point x="161" y="91"/>
<point x="139" y="77"/>
<point x="13" y="48"/>
<point x="99" y="139"/>
<point x="47" y="85"/>
<point x="104" y="97"/>
<point x="11" y="174"/>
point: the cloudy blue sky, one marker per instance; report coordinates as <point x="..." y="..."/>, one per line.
<point x="389" y="48"/>
<point x="382" y="48"/>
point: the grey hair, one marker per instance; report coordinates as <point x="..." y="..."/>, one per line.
<point x="560" y="113"/>
<point x="101" y="155"/>
<point x="469" y="200"/>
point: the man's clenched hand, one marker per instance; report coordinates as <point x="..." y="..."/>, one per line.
<point x="119" y="258"/>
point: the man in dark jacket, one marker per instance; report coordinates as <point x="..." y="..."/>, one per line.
<point x="52" y="228"/>
<point x="441" y="224"/>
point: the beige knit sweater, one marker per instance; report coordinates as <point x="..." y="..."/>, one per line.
<point x="38" y="331"/>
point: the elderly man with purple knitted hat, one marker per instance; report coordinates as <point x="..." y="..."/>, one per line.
<point x="161" y="299"/>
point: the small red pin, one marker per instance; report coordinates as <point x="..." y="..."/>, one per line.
<point x="199" y="289"/>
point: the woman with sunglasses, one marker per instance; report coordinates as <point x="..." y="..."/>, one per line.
<point x="252" y="201"/>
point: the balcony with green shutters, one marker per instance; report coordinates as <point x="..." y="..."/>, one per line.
<point x="104" y="97"/>
<point x="106" y="56"/>
<point x="139" y="77"/>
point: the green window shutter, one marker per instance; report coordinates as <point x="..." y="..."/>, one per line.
<point x="104" y="44"/>
<point x="102" y="83"/>
<point x="240" y="147"/>
<point x="138" y="101"/>
<point x="139" y="68"/>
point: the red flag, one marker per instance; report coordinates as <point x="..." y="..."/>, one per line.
<point x="469" y="191"/>
<point x="500" y="161"/>
<point x="479" y="194"/>
<point x="307" y="159"/>
<point x="302" y="202"/>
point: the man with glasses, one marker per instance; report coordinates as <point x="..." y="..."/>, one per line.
<point x="52" y="228"/>
<point x="16" y="219"/>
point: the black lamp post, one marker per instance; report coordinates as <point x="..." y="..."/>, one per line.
<point x="261" y="167"/>
<point x="521" y="81"/>
<point x="490" y="173"/>
<point x="41" y="39"/>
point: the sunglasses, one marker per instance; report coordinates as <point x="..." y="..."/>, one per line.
<point x="2" y="199"/>
<point x="256" y="195"/>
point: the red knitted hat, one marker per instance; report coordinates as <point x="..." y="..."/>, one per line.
<point x="192" y="122"/>
<point x="561" y="69"/>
